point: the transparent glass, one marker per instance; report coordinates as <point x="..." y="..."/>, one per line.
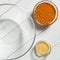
<point x="17" y="32"/>
<point x="38" y="56"/>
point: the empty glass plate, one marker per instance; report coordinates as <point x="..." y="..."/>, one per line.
<point x="17" y="32"/>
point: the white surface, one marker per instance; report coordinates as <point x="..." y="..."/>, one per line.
<point x="51" y="33"/>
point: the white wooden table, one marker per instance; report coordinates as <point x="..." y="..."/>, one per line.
<point x="50" y="34"/>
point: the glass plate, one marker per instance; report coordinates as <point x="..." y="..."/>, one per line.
<point x="17" y="32"/>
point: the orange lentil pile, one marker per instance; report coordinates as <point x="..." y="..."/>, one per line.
<point x="44" y="13"/>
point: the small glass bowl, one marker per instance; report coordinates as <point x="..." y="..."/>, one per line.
<point x="52" y="5"/>
<point x="41" y="56"/>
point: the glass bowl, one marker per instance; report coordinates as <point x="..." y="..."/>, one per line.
<point x="17" y="32"/>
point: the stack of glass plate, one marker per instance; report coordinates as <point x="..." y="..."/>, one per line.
<point x="17" y="32"/>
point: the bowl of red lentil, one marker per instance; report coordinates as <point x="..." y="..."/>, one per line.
<point x="45" y="13"/>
